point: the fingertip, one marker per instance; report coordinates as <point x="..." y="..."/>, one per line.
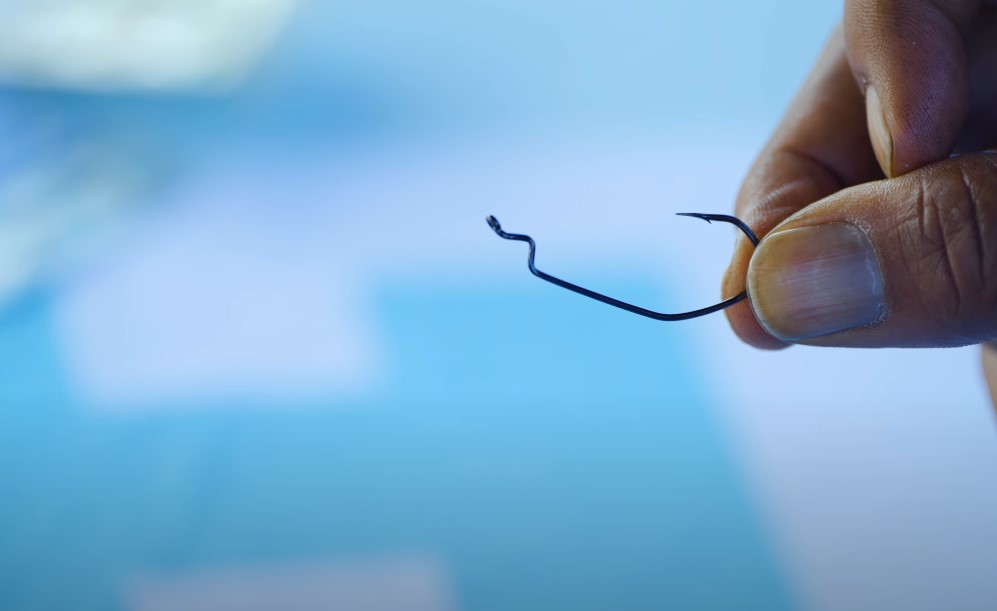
<point x="879" y="131"/>
<point x="990" y="369"/>
<point x="745" y="325"/>
<point x="740" y="316"/>
<point x="914" y="69"/>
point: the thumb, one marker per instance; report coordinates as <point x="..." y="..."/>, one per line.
<point x="910" y="261"/>
<point x="910" y="59"/>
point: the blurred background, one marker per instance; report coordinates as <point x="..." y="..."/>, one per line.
<point x="259" y="349"/>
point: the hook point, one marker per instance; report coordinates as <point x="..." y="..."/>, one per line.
<point x="494" y="224"/>
<point x="696" y="215"/>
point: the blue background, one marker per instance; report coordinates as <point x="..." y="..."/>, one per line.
<point x="548" y="452"/>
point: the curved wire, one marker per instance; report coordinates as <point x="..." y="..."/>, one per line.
<point x="709" y="218"/>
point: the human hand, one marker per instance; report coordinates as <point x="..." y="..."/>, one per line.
<point x="873" y="236"/>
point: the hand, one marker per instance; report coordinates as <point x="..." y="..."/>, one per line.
<point x="873" y="235"/>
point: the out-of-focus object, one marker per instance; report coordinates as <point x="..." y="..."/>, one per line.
<point x="372" y="584"/>
<point x="68" y="171"/>
<point x="135" y="45"/>
<point x="58" y="196"/>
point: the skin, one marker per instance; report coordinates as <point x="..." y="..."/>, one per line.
<point x="926" y="70"/>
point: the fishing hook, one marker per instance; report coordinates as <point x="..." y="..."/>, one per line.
<point x="709" y="218"/>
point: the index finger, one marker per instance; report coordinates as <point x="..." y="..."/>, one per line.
<point x="821" y="146"/>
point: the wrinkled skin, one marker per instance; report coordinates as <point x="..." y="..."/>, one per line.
<point x="889" y="134"/>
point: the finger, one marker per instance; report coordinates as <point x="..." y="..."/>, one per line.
<point x="910" y="59"/>
<point x="980" y="129"/>
<point x="910" y="261"/>
<point x="990" y="369"/>
<point x="820" y="147"/>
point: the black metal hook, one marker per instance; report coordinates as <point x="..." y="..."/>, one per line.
<point x="709" y="218"/>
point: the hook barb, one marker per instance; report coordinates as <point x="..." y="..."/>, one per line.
<point x="724" y="218"/>
<point x="709" y="218"/>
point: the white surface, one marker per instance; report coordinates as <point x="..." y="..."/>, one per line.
<point x="215" y="300"/>
<point x="382" y="585"/>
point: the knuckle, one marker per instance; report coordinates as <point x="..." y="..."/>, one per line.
<point x="949" y="246"/>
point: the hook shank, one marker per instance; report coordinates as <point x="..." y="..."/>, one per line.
<point x="709" y="218"/>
